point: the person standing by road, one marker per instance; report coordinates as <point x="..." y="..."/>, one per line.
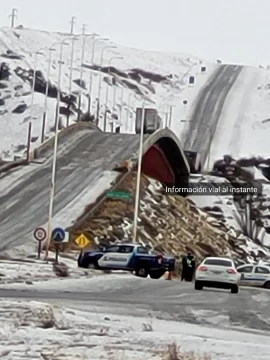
<point x="188" y="267"/>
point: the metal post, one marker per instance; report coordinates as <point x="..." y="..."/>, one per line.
<point x="53" y="175"/>
<point x="91" y="73"/>
<point x="127" y="118"/>
<point x="106" y="109"/>
<point x="137" y="194"/>
<point x="81" y="73"/>
<point x="114" y="96"/>
<point x="121" y="105"/>
<point x="107" y="96"/>
<point x="72" y="23"/>
<point x="101" y="62"/>
<point x="71" y="63"/>
<point x="170" y="116"/>
<point x="112" y="126"/>
<point x="92" y="63"/>
<point x="71" y="72"/>
<point x="43" y="126"/>
<point x="33" y="86"/>
<point x="29" y="142"/>
<point x="128" y="112"/>
<point x="166" y="119"/>
<point x="46" y="96"/>
<point x="13" y="16"/>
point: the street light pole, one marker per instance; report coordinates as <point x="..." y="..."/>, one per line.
<point x="71" y="63"/>
<point x="72" y="23"/>
<point x="170" y="116"/>
<point x="33" y="85"/>
<point x="51" y="199"/>
<point x="13" y="16"/>
<point x="121" y="104"/>
<point x="101" y="63"/>
<point x="107" y="93"/>
<point x="71" y="71"/>
<point x="128" y="112"/>
<point x="81" y="70"/>
<point x="138" y="183"/>
<point x="95" y="39"/>
<point x="46" y="95"/>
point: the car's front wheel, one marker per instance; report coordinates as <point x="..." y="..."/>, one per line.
<point x="157" y="274"/>
<point x="234" y="289"/>
<point x="141" y="271"/>
<point x="93" y="265"/>
<point x="198" y="285"/>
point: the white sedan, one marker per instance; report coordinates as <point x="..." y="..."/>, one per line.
<point x="217" y="272"/>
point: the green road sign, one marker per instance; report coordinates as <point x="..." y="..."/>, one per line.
<point x="120" y="195"/>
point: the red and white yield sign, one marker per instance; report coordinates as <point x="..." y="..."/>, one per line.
<point x="40" y="234"/>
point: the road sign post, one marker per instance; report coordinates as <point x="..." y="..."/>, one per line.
<point x="39" y="235"/>
<point x="82" y="241"/>
<point x="58" y="237"/>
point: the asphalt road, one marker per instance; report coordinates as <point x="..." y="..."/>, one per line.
<point x="24" y="196"/>
<point x="205" y="116"/>
<point x="169" y="300"/>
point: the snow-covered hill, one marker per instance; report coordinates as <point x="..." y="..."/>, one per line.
<point x="161" y="79"/>
<point x="245" y="118"/>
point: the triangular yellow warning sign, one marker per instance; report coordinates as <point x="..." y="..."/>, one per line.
<point x="82" y="241"/>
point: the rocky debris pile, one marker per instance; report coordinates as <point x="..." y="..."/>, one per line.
<point x="4" y="71"/>
<point x="254" y="210"/>
<point x="9" y="54"/>
<point x="168" y="224"/>
<point x="133" y="79"/>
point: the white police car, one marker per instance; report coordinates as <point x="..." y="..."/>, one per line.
<point x="254" y="275"/>
<point x="217" y="272"/>
<point x="130" y="257"/>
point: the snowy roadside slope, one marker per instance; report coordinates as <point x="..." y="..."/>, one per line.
<point x="244" y="125"/>
<point x="176" y="67"/>
<point x="39" y="329"/>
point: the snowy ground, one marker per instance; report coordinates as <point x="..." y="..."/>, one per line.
<point x="225" y="205"/>
<point x="38" y="330"/>
<point x="25" y="271"/>
<point x="26" y="42"/>
<point x="224" y="202"/>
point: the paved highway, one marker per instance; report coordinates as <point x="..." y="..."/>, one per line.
<point x="163" y="299"/>
<point x="204" y="118"/>
<point x="24" y="195"/>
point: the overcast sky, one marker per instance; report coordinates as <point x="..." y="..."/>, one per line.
<point x="232" y="30"/>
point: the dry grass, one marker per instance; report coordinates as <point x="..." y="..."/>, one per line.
<point x="147" y="326"/>
<point x="61" y="270"/>
<point x="174" y="352"/>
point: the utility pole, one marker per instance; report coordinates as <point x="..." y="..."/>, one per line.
<point x="84" y="29"/>
<point x="13" y="16"/>
<point x="72" y="23"/>
<point x="81" y="70"/>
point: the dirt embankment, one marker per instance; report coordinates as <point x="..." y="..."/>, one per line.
<point x="170" y="224"/>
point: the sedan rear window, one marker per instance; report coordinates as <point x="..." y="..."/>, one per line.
<point x="218" y="262"/>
